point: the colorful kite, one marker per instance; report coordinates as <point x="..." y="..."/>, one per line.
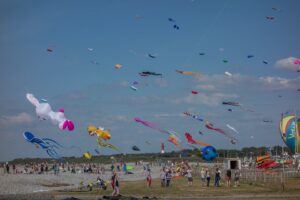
<point x="150" y="125"/>
<point x="297" y="62"/>
<point x="87" y="155"/>
<point x="193" y="116"/>
<point x="211" y="127"/>
<point x="185" y="72"/>
<point x="106" y="145"/>
<point x="45" y="143"/>
<point x="100" y="132"/>
<point x="118" y="66"/>
<point x="44" y="112"/>
<point x="192" y="141"/>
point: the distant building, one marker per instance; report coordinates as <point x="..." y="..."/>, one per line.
<point x="232" y="163"/>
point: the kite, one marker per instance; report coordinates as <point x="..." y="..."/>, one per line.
<point x="95" y="62"/>
<point x="228" y="74"/>
<point x="87" y="155"/>
<point x="147" y="73"/>
<point x="194" y="92"/>
<point x="270" y="18"/>
<point x="232" y="128"/>
<point x="225" y="61"/>
<point x="174" y="140"/>
<point x="201" y="133"/>
<point x="211" y="127"/>
<point x="171" y="20"/>
<point x="265" y="62"/>
<point x="135" y="148"/>
<point x="192" y="141"/>
<point x="44" y="111"/>
<point x="50" y="50"/>
<point x="100" y="132"/>
<point x="147" y="142"/>
<point x="193" y="116"/>
<point x="176" y="27"/>
<point x="201" y="54"/>
<point x="298" y="90"/>
<point x="250" y="56"/>
<point x="151" y="56"/>
<point x="106" y="145"/>
<point x="276" y="9"/>
<point x="297" y="62"/>
<point x="90" y="49"/>
<point x="118" y="66"/>
<point x="290" y="132"/>
<point x="45" y="143"/>
<point x="97" y="151"/>
<point x="267" y="121"/>
<point x="230" y="110"/>
<point x="133" y="88"/>
<point x="184" y="72"/>
<point x="150" y="125"/>
<point x="209" y="153"/>
<point x="230" y="103"/>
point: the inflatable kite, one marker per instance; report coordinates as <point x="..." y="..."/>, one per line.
<point x="106" y="145"/>
<point x="44" y="112"/>
<point x="45" y="143"/>
<point x="290" y="132"/>
<point x="147" y="73"/>
<point x="209" y="153"/>
<point x="186" y="73"/>
<point x="87" y="155"/>
<point x="99" y="131"/>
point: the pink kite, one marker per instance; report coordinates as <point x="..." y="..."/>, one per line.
<point x="297" y="62"/>
<point x="194" y="92"/>
<point x="211" y="127"/>
<point x="150" y="125"/>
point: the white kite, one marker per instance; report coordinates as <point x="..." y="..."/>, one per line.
<point x="44" y="112"/>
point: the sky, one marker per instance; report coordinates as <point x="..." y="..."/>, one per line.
<point x="88" y="38"/>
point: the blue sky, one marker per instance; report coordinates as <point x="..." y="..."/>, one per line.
<point x="125" y="32"/>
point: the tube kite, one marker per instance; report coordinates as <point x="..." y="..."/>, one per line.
<point x="44" y="111"/>
<point x="192" y="141"/>
<point x="211" y="127"/>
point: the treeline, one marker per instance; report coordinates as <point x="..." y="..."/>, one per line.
<point x="188" y="154"/>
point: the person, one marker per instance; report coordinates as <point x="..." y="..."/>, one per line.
<point x="189" y="176"/>
<point x="168" y="177"/>
<point x="202" y="176"/>
<point x="163" y="177"/>
<point x="115" y="184"/>
<point x="207" y="175"/>
<point x="237" y="175"/>
<point x="217" y="177"/>
<point x="228" y="177"/>
<point x="149" y="178"/>
<point x="7" y="167"/>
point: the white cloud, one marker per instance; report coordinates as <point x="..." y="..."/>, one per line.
<point x="206" y="99"/>
<point x="279" y="82"/>
<point x="287" y="63"/>
<point x="21" y="118"/>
